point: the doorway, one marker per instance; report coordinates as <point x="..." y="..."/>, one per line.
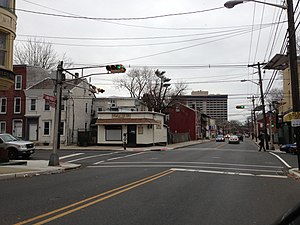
<point x="131" y="135"/>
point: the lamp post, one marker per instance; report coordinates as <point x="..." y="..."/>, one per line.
<point x="292" y="57"/>
<point x="262" y="104"/>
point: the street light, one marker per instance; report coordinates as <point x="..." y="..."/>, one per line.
<point x="292" y="57"/>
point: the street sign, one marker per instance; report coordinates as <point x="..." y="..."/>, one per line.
<point x="296" y="123"/>
<point x="50" y="99"/>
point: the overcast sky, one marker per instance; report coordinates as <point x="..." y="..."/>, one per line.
<point x="196" y="41"/>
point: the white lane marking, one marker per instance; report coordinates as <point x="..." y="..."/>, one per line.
<point x="202" y="163"/>
<point x="228" y="173"/>
<point x="110" y="165"/>
<point x="121" y="157"/>
<point x="72" y="155"/>
<point x="284" y="162"/>
<point x="92" y="156"/>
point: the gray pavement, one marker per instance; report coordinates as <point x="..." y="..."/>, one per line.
<point x="27" y="168"/>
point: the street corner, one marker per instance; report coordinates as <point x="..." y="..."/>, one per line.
<point x="69" y="166"/>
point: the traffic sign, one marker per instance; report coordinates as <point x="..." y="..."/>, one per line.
<point x="296" y="123"/>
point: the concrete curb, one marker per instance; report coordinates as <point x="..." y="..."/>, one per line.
<point x="39" y="171"/>
<point x="295" y="172"/>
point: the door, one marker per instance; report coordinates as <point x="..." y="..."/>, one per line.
<point x="131" y="135"/>
<point x="17" y="128"/>
<point x="33" y="131"/>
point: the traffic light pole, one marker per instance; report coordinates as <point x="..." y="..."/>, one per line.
<point x="54" y="159"/>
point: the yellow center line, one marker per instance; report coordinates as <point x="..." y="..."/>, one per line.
<point x="222" y="145"/>
<point x="114" y="191"/>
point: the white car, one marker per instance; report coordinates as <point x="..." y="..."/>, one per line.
<point x="234" y="139"/>
<point x="16" y="147"/>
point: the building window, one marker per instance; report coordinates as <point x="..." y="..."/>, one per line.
<point x="18" y="82"/>
<point x="47" y="106"/>
<point x="46" y="127"/>
<point x="2" y="127"/>
<point x="4" y="3"/>
<point x="17" y="105"/>
<point x="62" y="106"/>
<point x="113" y="133"/>
<point x="3" y="50"/>
<point x="86" y="107"/>
<point x="3" y="105"/>
<point x="33" y="104"/>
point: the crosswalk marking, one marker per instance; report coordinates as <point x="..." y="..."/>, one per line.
<point x="72" y="155"/>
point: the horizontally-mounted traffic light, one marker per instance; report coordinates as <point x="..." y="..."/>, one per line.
<point x="240" y="107"/>
<point x="100" y="90"/>
<point x="119" y="68"/>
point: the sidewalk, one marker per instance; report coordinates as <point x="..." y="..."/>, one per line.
<point x="28" y="168"/>
<point x="293" y="171"/>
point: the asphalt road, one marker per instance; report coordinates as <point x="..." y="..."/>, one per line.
<point x="212" y="183"/>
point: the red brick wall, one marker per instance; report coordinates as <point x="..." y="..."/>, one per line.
<point x="183" y="121"/>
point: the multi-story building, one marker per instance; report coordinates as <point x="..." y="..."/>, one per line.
<point x="215" y="106"/>
<point x="7" y="36"/>
<point x="12" y="101"/>
<point x="76" y="111"/>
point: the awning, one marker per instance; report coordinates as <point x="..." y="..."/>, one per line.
<point x="278" y="62"/>
<point x="291" y="116"/>
<point x="126" y="121"/>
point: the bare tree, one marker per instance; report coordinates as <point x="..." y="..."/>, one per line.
<point x="39" y="53"/>
<point x="136" y="81"/>
<point x="275" y="95"/>
<point x="152" y="87"/>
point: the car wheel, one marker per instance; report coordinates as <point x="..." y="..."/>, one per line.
<point x="12" y="153"/>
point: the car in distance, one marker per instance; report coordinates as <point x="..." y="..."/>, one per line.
<point x="220" y="137"/>
<point x="233" y="139"/>
<point x="16" y="147"/>
<point x="227" y="136"/>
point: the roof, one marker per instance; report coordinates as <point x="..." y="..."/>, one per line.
<point x="126" y="121"/>
<point x="49" y="83"/>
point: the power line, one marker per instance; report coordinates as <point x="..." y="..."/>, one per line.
<point x="118" y="18"/>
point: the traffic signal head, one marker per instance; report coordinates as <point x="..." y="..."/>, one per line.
<point x="100" y="90"/>
<point x="240" y="107"/>
<point x="119" y="68"/>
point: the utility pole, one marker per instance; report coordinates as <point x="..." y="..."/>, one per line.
<point x="54" y="159"/>
<point x="254" y="119"/>
<point x="263" y="107"/>
<point x="294" y="71"/>
<point x="260" y="84"/>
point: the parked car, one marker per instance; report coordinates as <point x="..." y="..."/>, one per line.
<point x="289" y="148"/>
<point x="234" y="139"/>
<point x="220" y="137"/>
<point x="16" y="147"/>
